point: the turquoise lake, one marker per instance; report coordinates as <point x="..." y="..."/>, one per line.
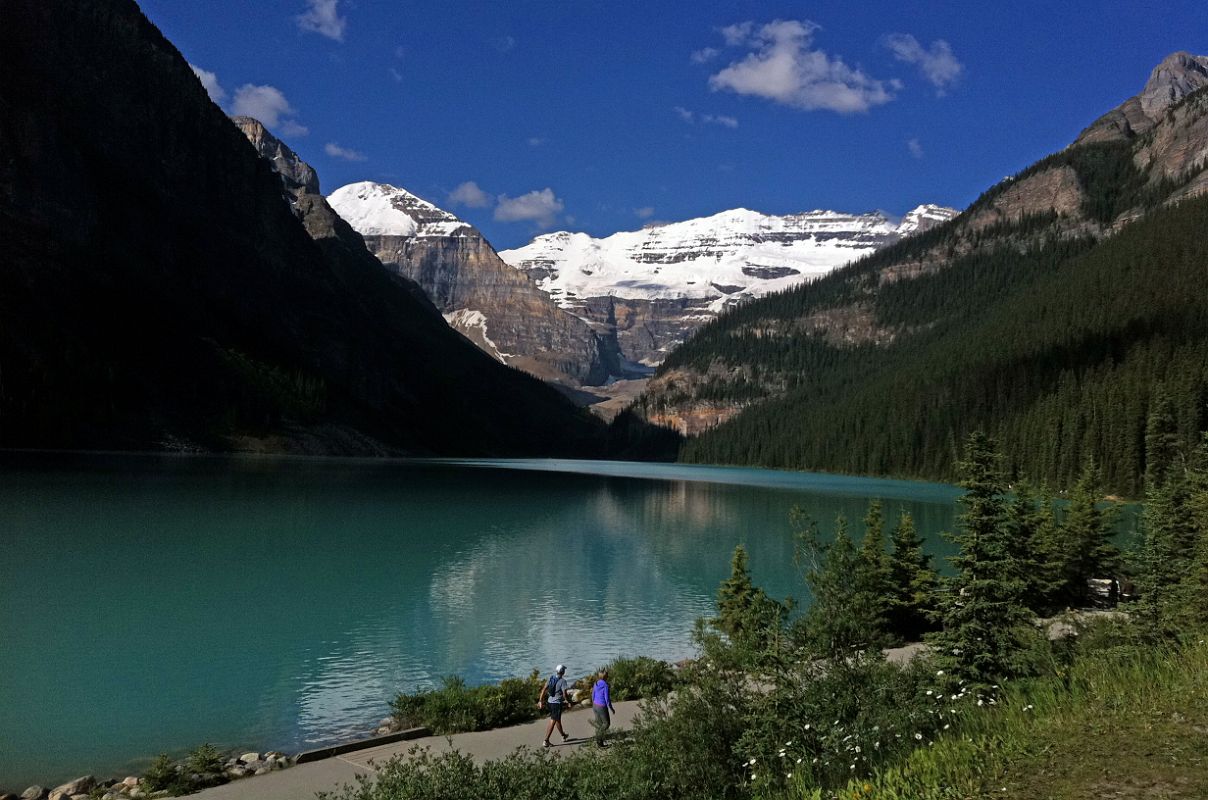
<point x="151" y="603"/>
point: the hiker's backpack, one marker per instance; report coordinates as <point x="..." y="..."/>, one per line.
<point x="551" y="686"/>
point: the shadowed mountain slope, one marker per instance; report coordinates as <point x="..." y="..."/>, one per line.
<point x="157" y="290"/>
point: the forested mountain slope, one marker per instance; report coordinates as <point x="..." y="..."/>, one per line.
<point x="1051" y="313"/>
<point x="158" y="291"/>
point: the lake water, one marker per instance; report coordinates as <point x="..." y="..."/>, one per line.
<point x="154" y="603"/>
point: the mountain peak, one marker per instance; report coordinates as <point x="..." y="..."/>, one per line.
<point x="924" y="217"/>
<point x="297" y="176"/>
<point x="380" y="209"/>
<point x="1175" y="77"/>
<point x="1178" y="75"/>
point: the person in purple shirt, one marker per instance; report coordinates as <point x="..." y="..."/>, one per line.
<point x="601" y="703"/>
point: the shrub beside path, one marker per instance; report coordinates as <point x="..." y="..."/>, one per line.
<point x="304" y="780"/>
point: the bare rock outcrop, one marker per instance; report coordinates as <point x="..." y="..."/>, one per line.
<point x="1178" y="75"/>
<point x="497" y="307"/>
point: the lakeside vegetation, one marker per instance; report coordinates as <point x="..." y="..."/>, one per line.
<point x="809" y="708"/>
<point x="455" y="707"/>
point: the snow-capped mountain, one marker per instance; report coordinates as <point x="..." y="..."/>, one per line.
<point x="497" y="307"/>
<point x="671" y="278"/>
<point x="379" y="209"/>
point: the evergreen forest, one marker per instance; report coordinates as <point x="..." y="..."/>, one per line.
<point x="1062" y="347"/>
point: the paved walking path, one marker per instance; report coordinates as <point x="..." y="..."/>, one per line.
<point x="301" y="782"/>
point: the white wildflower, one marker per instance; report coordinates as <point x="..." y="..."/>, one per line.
<point x="918" y="736"/>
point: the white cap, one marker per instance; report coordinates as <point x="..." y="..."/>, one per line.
<point x="560" y="669"/>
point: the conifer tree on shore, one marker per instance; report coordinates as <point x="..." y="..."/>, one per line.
<point x="912" y="582"/>
<point x="985" y="620"/>
<point x="847" y="614"/>
<point x="1034" y="534"/>
<point x="874" y="560"/>
<point x="751" y="619"/>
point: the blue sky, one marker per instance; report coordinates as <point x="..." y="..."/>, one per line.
<point x="528" y="115"/>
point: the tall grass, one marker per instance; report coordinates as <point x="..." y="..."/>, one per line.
<point x="1111" y="691"/>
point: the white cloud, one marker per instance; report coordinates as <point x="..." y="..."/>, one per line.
<point x="704" y="55"/>
<point x="394" y="73"/>
<point x="535" y="141"/>
<point x="915" y="148"/>
<point x="210" y="81"/>
<point x="937" y="63"/>
<point x="347" y="154"/>
<point x="323" y="17"/>
<point x="505" y="43"/>
<point x="738" y="34"/>
<point x="645" y="212"/>
<point x="470" y="195"/>
<point x="541" y="207"/>
<point x="267" y="104"/>
<point x="708" y="119"/>
<point x="291" y="128"/>
<point x="783" y="68"/>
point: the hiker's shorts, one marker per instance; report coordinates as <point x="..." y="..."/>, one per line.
<point x="555" y="711"/>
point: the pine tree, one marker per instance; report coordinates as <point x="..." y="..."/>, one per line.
<point x="1033" y="544"/>
<point x="745" y="614"/>
<point x="1170" y="535"/>
<point x="1195" y="584"/>
<point x="985" y="621"/>
<point x="1161" y="439"/>
<point x="846" y="616"/>
<point x="872" y="566"/>
<point x="912" y="582"/>
<point x="1088" y="530"/>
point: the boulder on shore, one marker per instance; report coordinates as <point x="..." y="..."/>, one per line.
<point x="34" y="792"/>
<point x="82" y="785"/>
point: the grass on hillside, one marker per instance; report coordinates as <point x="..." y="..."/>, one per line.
<point x="1121" y="723"/>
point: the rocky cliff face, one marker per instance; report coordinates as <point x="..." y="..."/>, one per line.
<point x="157" y="291"/>
<point x="492" y="304"/>
<point x="1178" y="75"/>
<point x="300" y="188"/>
<point x="1163" y="149"/>
<point x="652" y="288"/>
<point x="297" y="176"/>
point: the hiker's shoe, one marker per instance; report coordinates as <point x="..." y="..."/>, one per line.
<point x="566" y="737"/>
<point x="547" y="744"/>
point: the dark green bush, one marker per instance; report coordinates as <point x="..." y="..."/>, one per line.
<point x="456" y="707"/>
<point x="633" y="679"/>
<point x="161" y="774"/>
<point x="206" y="759"/>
